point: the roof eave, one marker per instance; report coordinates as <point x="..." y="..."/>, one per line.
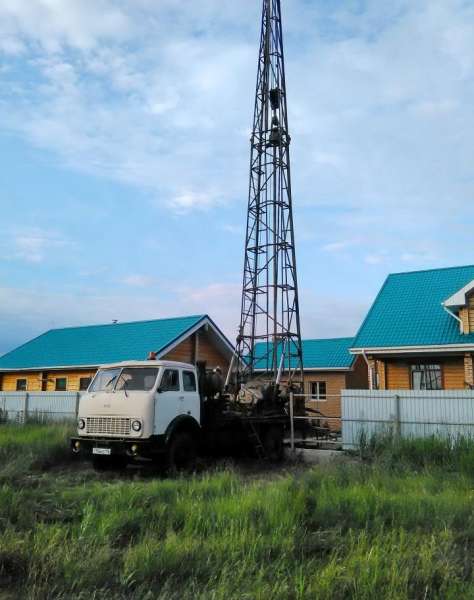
<point x="405" y="349"/>
<point x="48" y="368"/>
<point x="313" y="369"/>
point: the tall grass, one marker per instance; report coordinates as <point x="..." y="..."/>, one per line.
<point x="340" y="531"/>
<point x="452" y="453"/>
<point x="32" y="447"/>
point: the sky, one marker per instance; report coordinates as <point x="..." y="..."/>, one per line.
<point x="124" y="137"/>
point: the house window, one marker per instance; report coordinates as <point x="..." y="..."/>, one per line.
<point x="318" y="390"/>
<point x="426" y="377"/>
<point x="84" y="383"/>
<point x="60" y="384"/>
<point x="21" y="385"/>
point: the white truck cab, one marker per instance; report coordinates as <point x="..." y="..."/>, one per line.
<point x="138" y="409"/>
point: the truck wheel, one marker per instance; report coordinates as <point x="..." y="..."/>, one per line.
<point x="103" y="463"/>
<point x="182" y="453"/>
<point x="273" y="444"/>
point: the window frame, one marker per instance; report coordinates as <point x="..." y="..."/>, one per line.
<point x="318" y="396"/>
<point x="177" y="371"/>
<point x="25" y="389"/>
<point x="421" y="367"/>
<point x="183" y="373"/>
<point x="56" y="379"/>
<point x="84" y="389"/>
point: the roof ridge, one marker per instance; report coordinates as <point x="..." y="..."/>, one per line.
<point x="202" y="316"/>
<point x="430" y="270"/>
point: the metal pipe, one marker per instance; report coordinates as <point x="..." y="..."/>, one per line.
<point x="450" y="312"/>
<point x="371" y="382"/>
<point x="292" y="424"/>
<point x="282" y="358"/>
<point x="229" y="371"/>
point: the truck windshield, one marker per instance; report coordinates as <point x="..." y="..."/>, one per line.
<point x="105" y="380"/>
<point x="130" y="378"/>
<point x="136" y="379"/>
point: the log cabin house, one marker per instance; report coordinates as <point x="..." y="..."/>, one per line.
<point x="419" y="332"/>
<point x="67" y="359"/>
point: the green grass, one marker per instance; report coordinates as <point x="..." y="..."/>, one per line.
<point x="398" y="525"/>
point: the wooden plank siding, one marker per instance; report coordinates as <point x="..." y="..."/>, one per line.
<point x="35" y="379"/>
<point x="464" y="316"/>
<point x="453" y="374"/>
<point x="358" y="378"/>
<point x="190" y="350"/>
<point x="398" y="373"/>
<point x="183" y="352"/>
<point x="471" y="313"/>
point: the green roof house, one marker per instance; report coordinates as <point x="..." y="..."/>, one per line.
<point x="67" y="358"/>
<point x="419" y="332"/>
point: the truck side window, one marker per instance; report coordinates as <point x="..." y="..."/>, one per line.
<point x="189" y="381"/>
<point x="170" y="381"/>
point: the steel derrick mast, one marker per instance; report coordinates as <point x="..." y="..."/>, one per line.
<point x="269" y="339"/>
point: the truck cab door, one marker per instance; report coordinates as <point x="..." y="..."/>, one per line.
<point x="168" y="400"/>
<point x="191" y="400"/>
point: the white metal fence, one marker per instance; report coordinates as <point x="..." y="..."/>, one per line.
<point x="19" y="407"/>
<point x="406" y="413"/>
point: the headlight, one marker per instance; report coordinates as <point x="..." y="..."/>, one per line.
<point x="136" y="425"/>
<point x="81" y="423"/>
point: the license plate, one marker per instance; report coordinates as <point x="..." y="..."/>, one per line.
<point x="105" y="451"/>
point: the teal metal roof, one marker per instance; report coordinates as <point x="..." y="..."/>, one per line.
<point x="331" y="353"/>
<point x="408" y="311"/>
<point x="98" y="344"/>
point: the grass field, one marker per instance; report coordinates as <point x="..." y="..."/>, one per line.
<point x="399" y="524"/>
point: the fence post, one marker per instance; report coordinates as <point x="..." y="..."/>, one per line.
<point x="397" y="416"/>
<point x="26" y="403"/>
<point x="78" y="397"/>
<point x="292" y="424"/>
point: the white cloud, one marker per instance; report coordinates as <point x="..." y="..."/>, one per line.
<point x="54" y="23"/>
<point x="137" y="280"/>
<point x="335" y="247"/>
<point x="158" y="97"/>
<point x="374" y="259"/>
<point x="32" y="244"/>
<point x="189" y="200"/>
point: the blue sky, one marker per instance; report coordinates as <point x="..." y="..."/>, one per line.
<point x="124" y="132"/>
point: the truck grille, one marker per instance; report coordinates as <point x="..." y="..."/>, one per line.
<point x="108" y="425"/>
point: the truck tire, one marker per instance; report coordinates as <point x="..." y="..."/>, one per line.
<point x="106" y="463"/>
<point x="182" y="453"/>
<point x="273" y="444"/>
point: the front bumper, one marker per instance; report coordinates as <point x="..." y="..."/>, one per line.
<point x="129" y="448"/>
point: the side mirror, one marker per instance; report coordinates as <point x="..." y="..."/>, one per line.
<point x="159" y="390"/>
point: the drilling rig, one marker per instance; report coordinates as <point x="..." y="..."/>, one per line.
<point x="251" y="409"/>
<point x="268" y="345"/>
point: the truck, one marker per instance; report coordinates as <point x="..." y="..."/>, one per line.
<point x="169" y="413"/>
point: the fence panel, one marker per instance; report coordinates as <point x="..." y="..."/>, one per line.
<point x="18" y="407"/>
<point x="410" y="413"/>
